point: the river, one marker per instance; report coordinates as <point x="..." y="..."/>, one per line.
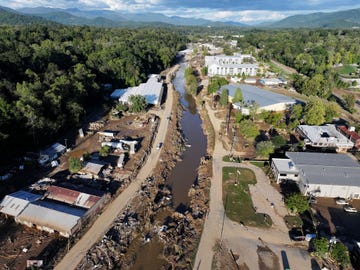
<point x="185" y="172"/>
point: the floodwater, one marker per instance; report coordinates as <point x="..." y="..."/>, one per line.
<point x="185" y="172"/>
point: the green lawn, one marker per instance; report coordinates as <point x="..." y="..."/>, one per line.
<point x="260" y="164"/>
<point x="293" y="221"/>
<point x="234" y="159"/>
<point x="237" y="200"/>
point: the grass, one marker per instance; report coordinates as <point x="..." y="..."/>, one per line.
<point x="237" y="200"/>
<point x="293" y="221"/>
<point x="346" y="69"/>
<point x="232" y="159"/>
<point x="260" y="164"/>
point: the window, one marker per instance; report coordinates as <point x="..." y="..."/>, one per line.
<point x="282" y="174"/>
<point x="296" y="175"/>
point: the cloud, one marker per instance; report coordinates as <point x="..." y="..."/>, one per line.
<point x="248" y="11"/>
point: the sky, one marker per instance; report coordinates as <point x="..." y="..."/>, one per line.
<point x="245" y="11"/>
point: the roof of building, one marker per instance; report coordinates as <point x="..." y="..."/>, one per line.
<point x="59" y="217"/>
<point x="231" y="61"/>
<point x="151" y="90"/>
<point x="93" y="167"/>
<point x="260" y="96"/>
<point x="54" y="149"/>
<point x="285" y="165"/>
<point x="271" y="81"/>
<point x="325" y="134"/>
<point x="117" y="93"/>
<point x="351" y="134"/>
<point x="72" y="197"/>
<point x="326" y="168"/>
<point x="16" y="202"/>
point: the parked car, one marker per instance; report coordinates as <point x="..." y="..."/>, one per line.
<point x="159" y="145"/>
<point x="350" y="209"/>
<point x="296" y="234"/>
<point x="341" y="201"/>
<point x="310" y="236"/>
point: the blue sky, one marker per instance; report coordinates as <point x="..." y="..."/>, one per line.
<point x="247" y="11"/>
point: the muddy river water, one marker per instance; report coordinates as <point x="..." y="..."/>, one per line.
<point x="185" y="172"/>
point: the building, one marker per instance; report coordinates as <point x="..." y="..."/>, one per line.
<point x="350" y="134"/>
<point x="152" y="90"/>
<point x="250" y="81"/>
<point x="272" y="81"/>
<point x="320" y="174"/>
<point x="93" y="167"/>
<point x="238" y="64"/>
<point x="267" y="101"/>
<point x="52" y="217"/>
<point x="73" y="196"/>
<point x="13" y="204"/>
<point x="326" y="137"/>
<point x="51" y="153"/>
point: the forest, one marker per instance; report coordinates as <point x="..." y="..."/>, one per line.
<point x="52" y="76"/>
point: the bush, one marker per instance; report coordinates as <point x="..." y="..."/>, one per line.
<point x="340" y="254"/>
<point x="297" y="203"/>
<point x="104" y="151"/>
<point x="264" y="149"/>
<point x="321" y="246"/>
<point x="74" y="165"/>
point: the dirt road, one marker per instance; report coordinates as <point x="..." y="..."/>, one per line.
<point x="105" y="220"/>
<point x="244" y="240"/>
<point x="285" y="68"/>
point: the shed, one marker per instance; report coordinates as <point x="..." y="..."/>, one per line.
<point x="93" y="168"/>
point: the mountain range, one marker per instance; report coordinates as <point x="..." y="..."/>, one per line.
<point x="109" y="18"/>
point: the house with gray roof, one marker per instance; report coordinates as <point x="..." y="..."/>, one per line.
<point x="237" y="64"/>
<point x="13" y="204"/>
<point x="326" y="136"/>
<point x="267" y="100"/>
<point x="320" y="174"/>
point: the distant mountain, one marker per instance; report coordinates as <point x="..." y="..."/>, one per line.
<point x="86" y="17"/>
<point x="339" y="19"/>
<point x="12" y="17"/>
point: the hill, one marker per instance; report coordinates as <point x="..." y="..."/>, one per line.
<point x="339" y="19"/>
<point x="11" y="17"/>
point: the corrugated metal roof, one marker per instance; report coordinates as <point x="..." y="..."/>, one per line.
<point x="73" y="197"/>
<point x="16" y="202"/>
<point x="56" y="148"/>
<point x="326" y="168"/>
<point x="93" y="167"/>
<point x="260" y="96"/>
<point x="151" y="90"/>
<point x="59" y="217"/>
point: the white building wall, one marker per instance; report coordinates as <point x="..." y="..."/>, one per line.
<point x="332" y="191"/>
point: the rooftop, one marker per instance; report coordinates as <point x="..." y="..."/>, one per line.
<point x="260" y="96"/>
<point x="151" y="90"/>
<point x="326" y="168"/>
<point x="54" y="149"/>
<point x="16" y="202"/>
<point x="93" y="167"/>
<point x="285" y="165"/>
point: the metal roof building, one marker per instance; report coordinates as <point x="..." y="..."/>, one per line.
<point x="71" y="196"/>
<point x="14" y="203"/>
<point x="324" y="137"/>
<point x="152" y="90"/>
<point x="49" y="216"/>
<point x="325" y="174"/>
<point x="267" y="100"/>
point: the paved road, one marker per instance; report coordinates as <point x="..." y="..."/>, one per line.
<point x="106" y="219"/>
<point x="244" y="240"/>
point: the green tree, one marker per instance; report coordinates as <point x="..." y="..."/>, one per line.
<point x="264" y="149"/>
<point x="204" y="71"/>
<point x="340" y="254"/>
<point x="74" y="164"/>
<point x="321" y="246"/>
<point x="296" y="112"/>
<point x="104" y="151"/>
<point x="314" y="112"/>
<point x="224" y="97"/>
<point x="297" y="203"/>
<point x="349" y="102"/>
<point x="254" y="109"/>
<point x="248" y="129"/>
<point x="278" y="141"/>
<point x="332" y="110"/>
<point x="238" y="96"/>
<point x="138" y="103"/>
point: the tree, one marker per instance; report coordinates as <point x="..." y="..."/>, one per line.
<point x="204" y="71"/>
<point x="349" y="102"/>
<point x="248" y="129"/>
<point x="278" y="141"/>
<point x="264" y="149"/>
<point x="254" y="109"/>
<point x="314" y="112"/>
<point x="332" y="110"/>
<point x="138" y="103"/>
<point x="224" y="97"/>
<point x="104" y="151"/>
<point x="340" y="254"/>
<point x="296" y="112"/>
<point x="297" y="203"/>
<point x="238" y="96"/>
<point x="74" y="164"/>
<point x="321" y="246"/>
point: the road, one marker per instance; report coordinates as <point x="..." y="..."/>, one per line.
<point x="116" y="207"/>
<point x="244" y="240"/>
<point x="285" y="68"/>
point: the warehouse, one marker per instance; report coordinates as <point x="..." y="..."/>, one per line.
<point x="52" y="217"/>
<point x="267" y="101"/>
<point x="13" y="204"/>
<point x="320" y="174"/>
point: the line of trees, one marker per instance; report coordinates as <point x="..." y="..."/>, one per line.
<point x="51" y="76"/>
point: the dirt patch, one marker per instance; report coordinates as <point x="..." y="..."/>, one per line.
<point x="224" y="258"/>
<point x="267" y="259"/>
